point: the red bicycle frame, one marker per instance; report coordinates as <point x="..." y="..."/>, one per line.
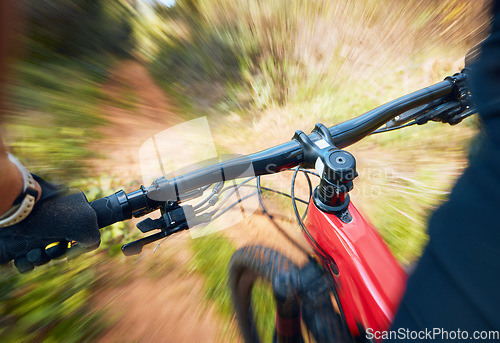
<point x="369" y="280"/>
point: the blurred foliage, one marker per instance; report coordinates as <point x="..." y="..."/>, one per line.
<point x="68" y="48"/>
<point x="54" y="116"/>
<point x="237" y="54"/>
<point x="79" y="28"/>
<point x="50" y="304"/>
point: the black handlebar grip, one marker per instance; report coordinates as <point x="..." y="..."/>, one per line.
<point x="111" y="209"/>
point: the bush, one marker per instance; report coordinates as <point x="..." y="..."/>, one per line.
<point x="232" y="54"/>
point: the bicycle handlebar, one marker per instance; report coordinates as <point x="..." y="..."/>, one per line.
<point x="288" y="155"/>
<point x="353" y="130"/>
<point x="121" y="206"/>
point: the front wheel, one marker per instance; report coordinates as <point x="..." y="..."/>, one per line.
<point x="303" y="297"/>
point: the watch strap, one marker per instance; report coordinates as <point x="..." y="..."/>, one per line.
<point x="25" y="202"/>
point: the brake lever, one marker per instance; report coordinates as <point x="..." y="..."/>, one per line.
<point x="175" y="218"/>
<point x="461" y="116"/>
<point x="135" y="247"/>
<point x="441" y="113"/>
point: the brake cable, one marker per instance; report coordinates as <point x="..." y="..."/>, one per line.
<point x="276" y="225"/>
<point x="393" y="128"/>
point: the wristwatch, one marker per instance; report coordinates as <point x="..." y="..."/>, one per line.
<point x="25" y="201"/>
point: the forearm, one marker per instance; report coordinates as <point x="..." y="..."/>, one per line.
<point x="11" y="180"/>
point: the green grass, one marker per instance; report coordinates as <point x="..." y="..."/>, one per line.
<point x="50" y="304"/>
<point x="211" y="258"/>
<point x="265" y="308"/>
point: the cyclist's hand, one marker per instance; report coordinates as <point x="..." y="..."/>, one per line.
<point x="60" y="218"/>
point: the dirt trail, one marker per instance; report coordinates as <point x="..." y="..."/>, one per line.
<point x="136" y="109"/>
<point x="161" y="301"/>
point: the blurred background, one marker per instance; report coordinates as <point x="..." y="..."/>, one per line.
<point x="93" y="79"/>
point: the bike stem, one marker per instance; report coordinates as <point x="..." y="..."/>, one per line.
<point x="336" y="167"/>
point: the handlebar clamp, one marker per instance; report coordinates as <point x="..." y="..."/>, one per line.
<point x="463" y="96"/>
<point x="337" y="169"/>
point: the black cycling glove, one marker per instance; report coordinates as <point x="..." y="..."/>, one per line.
<point x="59" y="219"/>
